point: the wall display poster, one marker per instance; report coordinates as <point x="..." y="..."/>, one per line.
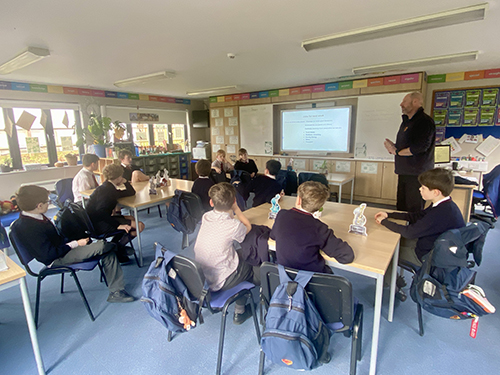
<point x="229" y="130"/>
<point x="343" y="166"/>
<point x="457" y="98"/>
<point x="318" y="165"/>
<point x="141" y="136"/>
<point x="299" y="164"/>
<point x="228" y="112"/>
<point x="233" y="139"/>
<point x="219" y="139"/>
<point x="268" y="147"/>
<point x="441" y="100"/>
<point x="32" y="145"/>
<point x="216" y="148"/>
<point x="490" y="97"/>
<point x="231" y="149"/>
<point x="440" y="134"/>
<point x="487" y="116"/>
<point x="233" y="121"/>
<point x="455" y="117"/>
<point x="219" y="122"/>
<point x="369" y="168"/>
<point x="67" y="143"/>
<point x="470" y="116"/>
<point x="472" y="98"/>
<point x="440" y="116"/>
<point x="497" y="121"/>
<point x="144" y="117"/>
<point x="214" y="113"/>
<point x="215" y="131"/>
<point x="360" y="150"/>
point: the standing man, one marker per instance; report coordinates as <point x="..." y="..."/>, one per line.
<point x="413" y="150"/>
<point x="85" y="179"/>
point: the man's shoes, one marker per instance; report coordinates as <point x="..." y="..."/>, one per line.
<point x="122" y="258"/>
<point x="400" y="281"/>
<point x="400" y="294"/>
<point x="241" y="318"/>
<point x="120" y="296"/>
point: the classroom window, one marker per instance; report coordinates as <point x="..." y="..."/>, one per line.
<point x="178" y="136"/>
<point x="63" y="123"/>
<point x="4" y="142"/>
<point x="32" y="140"/>
<point x="141" y="134"/>
<point x="161" y="135"/>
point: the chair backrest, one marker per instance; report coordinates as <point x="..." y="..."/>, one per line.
<point x="4" y="239"/>
<point x="83" y="218"/>
<point x="190" y="273"/>
<point x="308" y="176"/>
<point x="491" y="189"/>
<point x="193" y="204"/>
<point x="288" y="181"/>
<point x="217" y="177"/>
<point x="22" y="253"/>
<point x="332" y="295"/>
<point x="64" y="190"/>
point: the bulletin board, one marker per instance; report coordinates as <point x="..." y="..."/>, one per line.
<point x="470" y="111"/>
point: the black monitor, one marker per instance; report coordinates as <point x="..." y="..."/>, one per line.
<point x="442" y="154"/>
<point x="200" y="119"/>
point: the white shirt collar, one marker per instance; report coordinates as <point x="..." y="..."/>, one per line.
<point x="203" y="177"/>
<point x="441" y="201"/>
<point x="85" y="170"/>
<point x="270" y="176"/>
<point x="34" y="216"/>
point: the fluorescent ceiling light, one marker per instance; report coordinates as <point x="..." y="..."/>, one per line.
<point x="144" y="79"/>
<point x="25" y="58"/>
<point x="445" y="59"/>
<point x="431" y="21"/>
<point x="212" y="90"/>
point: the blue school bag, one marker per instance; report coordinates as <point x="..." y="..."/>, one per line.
<point x="165" y="294"/>
<point x="185" y="211"/>
<point x="295" y="335"/>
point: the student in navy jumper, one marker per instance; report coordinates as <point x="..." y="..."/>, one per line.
<point x="203" y="183"/>
<point x="265" y="186"/>
<point x="245" y="164"/>
<point x="300" y="236"/>
<point x="425" y="226"/>
<point x="42" y="241"/>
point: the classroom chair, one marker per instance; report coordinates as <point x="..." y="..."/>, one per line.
<point x="25" y="258"/>
<point x="64" y="191"/>
<point x="288" y="181"/>
<point x="489" y="196"/>
<point x="190" y="272"/>
<point x="333" y="298"/>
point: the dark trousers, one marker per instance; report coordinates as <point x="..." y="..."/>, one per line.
<point x="409" y="198"/>
<point x="244" y="272"/>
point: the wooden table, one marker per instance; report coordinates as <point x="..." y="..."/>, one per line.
<point x="142" y="200"/>
<point x="373" y="253"/>
<point x="339" y="179"/>
<point x="13" y="276"/>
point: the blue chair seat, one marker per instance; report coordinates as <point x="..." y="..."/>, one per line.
<point x="478" y="194"/>
<point x="9" y="218"/>
<point x="83" y="266"/>
<point x="219" y="298"/>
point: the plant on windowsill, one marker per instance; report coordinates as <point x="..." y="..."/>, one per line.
<point x="95" y="133"/>
<point x="6" y="164"/>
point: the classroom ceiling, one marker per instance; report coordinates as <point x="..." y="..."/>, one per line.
<point x="97" y="42"/>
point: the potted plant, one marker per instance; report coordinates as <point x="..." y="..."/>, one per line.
<point x="6" y="164"/>
<point x="71" y="159"/>
<point x="95" y="133"/>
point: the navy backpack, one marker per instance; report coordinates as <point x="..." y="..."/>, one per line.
<point x="295" y="335"/>
<point x="166" y="297"/>
<point x="68" y="224"/>
<point x="185" y="211"/>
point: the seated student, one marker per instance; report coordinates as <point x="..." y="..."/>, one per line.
<point x="245" y="164"/>
<point x="427" y="225"/>
<point x="214" y="249"/>
<point x="203" y="183"/>
<point x="85" y="179"/>
<point x="44" y="243"/>
<point x="131" y="172"/>
<point x="101" y="205"/>
<point x="265" y="186"/>
<point x="220" y="164"/>
<point x="300" y="236"/>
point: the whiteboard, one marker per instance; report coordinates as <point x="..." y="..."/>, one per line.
<point x="378" y="118"/>
<point x="256" y="128"/>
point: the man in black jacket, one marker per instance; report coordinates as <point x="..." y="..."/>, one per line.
<point x="413" y="150"/>
<point x="37" y="234"/>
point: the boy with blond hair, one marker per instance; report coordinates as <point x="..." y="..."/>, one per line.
<point x="300" y="236"/>
<point x="214" y="250"/>
<point x="220" y="164"/>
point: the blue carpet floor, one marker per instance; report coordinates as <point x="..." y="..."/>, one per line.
<point x="124" y="339"/>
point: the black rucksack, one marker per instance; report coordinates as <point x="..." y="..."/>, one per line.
<point x="444" y="285"/>
<point x="68" y="223"/>
<point x="166" y="297"/>
<point x="185" y="211"/>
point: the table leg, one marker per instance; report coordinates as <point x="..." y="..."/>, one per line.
<point x="340" y="193"/>
<point x="377" y="310"/>
<point x="31" y="326"/>
<point x="352" y="189"/>
<point x="394" y="277"/>
<point x="139" y="245"/>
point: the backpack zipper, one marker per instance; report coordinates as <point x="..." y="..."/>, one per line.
<point x="289" y="338"/>
<point x="285" y="306"/>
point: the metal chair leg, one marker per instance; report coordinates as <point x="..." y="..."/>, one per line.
<point x="77" y="282"/>
<point x="262" y="360"/>
<point x="255" y="321"/>
<point x="62" y="283"/>
<point x="169" y="336"/>
<point x="221" y="339"/>
<point x="159" y="211"/>
<point x="420" y="320"/>
<point x="103" y="276"/>
<point x="37" y="301"/>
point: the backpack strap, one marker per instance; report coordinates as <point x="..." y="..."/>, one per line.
<point x="165" y="254"/>
<point x="201" y="301"/>
<point x="302" y="278"/>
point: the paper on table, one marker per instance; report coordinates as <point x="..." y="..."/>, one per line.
<point x="215" y="131"/>
<point x="488" y="145"/>
<point x="233" y="121"/>
<point x="231" y="149"/>
<point x="229" y="131"/>
<point x="219" y="122"/>
<point x="219" y="139"/>
<point x="462" y="139"/>
<point x="215" y="113"/>
<point x="455" y="147"/>
<point x="228" y="112"/>
<point x="233" y="139"/>
<point x="26" y="120"/>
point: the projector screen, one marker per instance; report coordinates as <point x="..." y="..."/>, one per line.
<point x="316" y="129"/>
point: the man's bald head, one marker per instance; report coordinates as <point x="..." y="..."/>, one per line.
<point x="411" y="103"/>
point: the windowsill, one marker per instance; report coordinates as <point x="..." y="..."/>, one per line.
<point x="43" y="169"/>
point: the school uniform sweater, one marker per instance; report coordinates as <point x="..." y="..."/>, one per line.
<point x="101" y="204"/>
<point x="249" y="167"/>
<point x="201" y="186"/>
<point x="265" y="188"/>
<point x="299" y="237"/>
<point x="427" y="225"/>
<point x="40" y="238"/>
<point x="127" y="171"/>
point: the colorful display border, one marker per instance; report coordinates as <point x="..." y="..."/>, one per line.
<point x="54" y="89"/>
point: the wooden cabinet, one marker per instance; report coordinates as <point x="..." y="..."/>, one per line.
<point x="225" y="131"/>
<point x="389" y="182"/>
<point x="368" y="181"/>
